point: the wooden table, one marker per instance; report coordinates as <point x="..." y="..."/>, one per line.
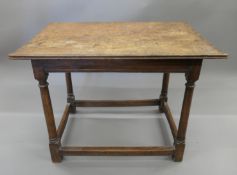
<point x="163" y="47"/>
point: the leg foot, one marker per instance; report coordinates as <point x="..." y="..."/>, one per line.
<point x="179" y="151"/>
<point x="55" y="154"/>
<point x="72" y="109"/>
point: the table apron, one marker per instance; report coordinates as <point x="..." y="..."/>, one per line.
<point x="115" y="65"/>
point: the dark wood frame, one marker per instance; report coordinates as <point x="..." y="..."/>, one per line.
<point x="191" y="68"/>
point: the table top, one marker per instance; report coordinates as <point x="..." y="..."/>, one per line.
<point x="156" y="40"/>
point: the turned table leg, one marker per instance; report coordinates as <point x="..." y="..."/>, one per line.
<point x="191" y="77"/>
<point x="70" y="95"/>
<point x="54" y="141"/>
<point x="164" y="91"/>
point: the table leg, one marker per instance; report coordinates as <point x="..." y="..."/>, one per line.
<point x="54" y="141"/>
<point x="70" y="94"/>
<point x="191" y="77"/>
<point x="164" y="91"/>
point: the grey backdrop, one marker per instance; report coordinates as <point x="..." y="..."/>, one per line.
<point x="21" y="20"/>
<point x="215" y="19"/>
<point x="23" y="138"/>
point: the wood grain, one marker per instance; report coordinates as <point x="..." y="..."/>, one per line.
<point x="170" y="120"/>
<point x="117" y="103"/>
<point x="117" y="151"/>
<point x="117" y="39"/>
<point x="63" y="122"/>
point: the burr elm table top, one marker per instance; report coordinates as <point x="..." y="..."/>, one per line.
<point x="156" y="40"/>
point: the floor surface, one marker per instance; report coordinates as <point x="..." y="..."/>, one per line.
<point x="211" y="145"/>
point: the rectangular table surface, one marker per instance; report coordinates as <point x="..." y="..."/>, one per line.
<point x="153" y="40"/>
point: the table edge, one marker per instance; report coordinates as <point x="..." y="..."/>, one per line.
<point x="223" y="56"/>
